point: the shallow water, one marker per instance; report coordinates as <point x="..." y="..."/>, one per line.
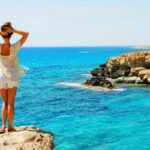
<point x="80" y="118"/>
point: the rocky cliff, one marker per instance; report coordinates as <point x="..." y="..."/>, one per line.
<point x="129" y="68"/>
<point x="26" y="138"/>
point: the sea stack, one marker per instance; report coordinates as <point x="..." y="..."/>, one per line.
<point x="27" y="138"/>
<point x="131" y="68"/>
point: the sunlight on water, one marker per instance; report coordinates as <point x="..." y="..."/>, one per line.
<point x="52" y="97"/>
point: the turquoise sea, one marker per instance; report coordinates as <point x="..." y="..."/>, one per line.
<point x="50" y="97"/>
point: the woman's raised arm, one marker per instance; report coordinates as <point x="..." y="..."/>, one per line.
<point x="24" y="35"/>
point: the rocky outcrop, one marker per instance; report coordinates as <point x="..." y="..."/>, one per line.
<point x="26" y="138"/>
<point x="128" y="68"/>
<point x="99" y="81"/>
<point x="100" y="78"/>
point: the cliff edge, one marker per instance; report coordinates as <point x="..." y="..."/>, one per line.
<point x="26" y="138"/>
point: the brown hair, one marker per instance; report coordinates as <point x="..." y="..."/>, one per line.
<point x="4" y="27"/>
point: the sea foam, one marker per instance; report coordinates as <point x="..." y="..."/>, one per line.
<point x="25" y="67"/>
<point x="86" y="75"/>
<point x="81" y="85"/>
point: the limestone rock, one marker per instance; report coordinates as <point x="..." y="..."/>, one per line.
<point x="133" y="79"/>
<point x="135" y="71"/>
<point x="129" y="68"/>
<point x="27" y="138"/>
<point x="144" y="72"/>
<point x="134" y="59"/>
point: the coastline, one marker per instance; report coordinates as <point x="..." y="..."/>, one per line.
<point x="130" y="68"/>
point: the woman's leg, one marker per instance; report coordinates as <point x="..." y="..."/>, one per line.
<point x="11" y="98"/>
<point x="4" y="94"/>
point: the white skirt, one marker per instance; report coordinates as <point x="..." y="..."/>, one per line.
<point x="6" y="82"/>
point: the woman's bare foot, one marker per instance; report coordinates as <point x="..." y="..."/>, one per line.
<point x="11" y="129"/>
<point x="2" y="130"/>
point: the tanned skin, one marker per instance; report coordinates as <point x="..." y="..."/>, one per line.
<point x="8" y="95"/>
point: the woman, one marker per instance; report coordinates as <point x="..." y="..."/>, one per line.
<point x="9" y="73"/>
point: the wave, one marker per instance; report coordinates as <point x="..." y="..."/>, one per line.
<point x="84" y="52"/>
<point x="24" y="67"/>
<point x="86" y="75"/>
<point x="81" y="85"/>
<point x="120" y="89"/>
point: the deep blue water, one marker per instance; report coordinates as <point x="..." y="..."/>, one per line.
<point x="81" y="119"/>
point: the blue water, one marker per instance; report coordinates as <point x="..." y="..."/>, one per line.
<point x="81" y="119"/>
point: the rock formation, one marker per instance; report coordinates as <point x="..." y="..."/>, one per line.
<point x="26" y="138"/>
<point x="131" y="67"/>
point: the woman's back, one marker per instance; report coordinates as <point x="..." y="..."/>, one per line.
<point x="10" y="62"/>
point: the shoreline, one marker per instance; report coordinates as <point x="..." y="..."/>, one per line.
<point x="129" y="68"/>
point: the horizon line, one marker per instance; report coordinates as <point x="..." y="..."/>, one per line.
<point x="144" y="46"/>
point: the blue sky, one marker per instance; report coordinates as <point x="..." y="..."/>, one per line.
<point x="79" y="22"/>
